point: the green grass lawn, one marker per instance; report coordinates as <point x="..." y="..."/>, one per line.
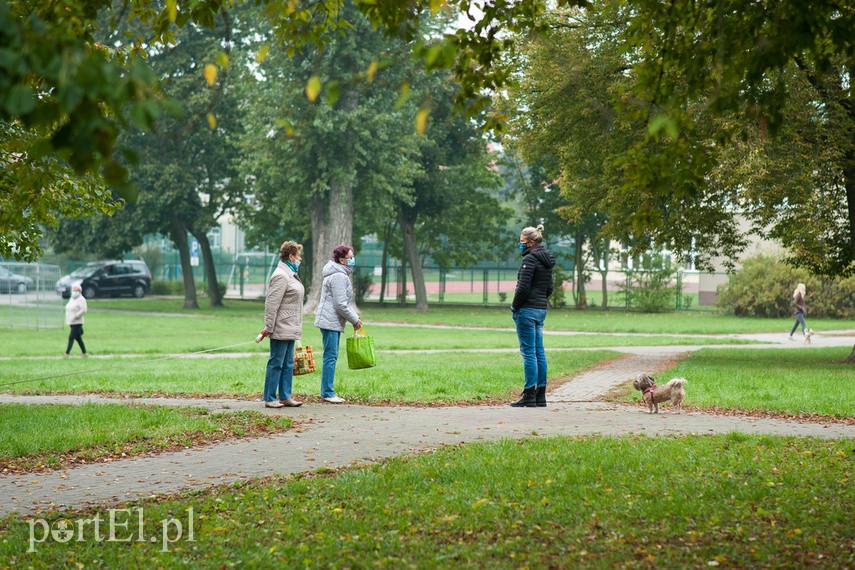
<point x="34" y="435"/>
<point x="682" y="322"/>
<point x="731" y="501"/>
<point x="416" y="378"/>
<point x="790" y="382"/>
<point x="127" y="333"/>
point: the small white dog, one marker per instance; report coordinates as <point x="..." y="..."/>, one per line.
<point x="654" y="395"/>
<point x="808" y="336"/>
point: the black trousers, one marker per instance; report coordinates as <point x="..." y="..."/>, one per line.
<point x="76" y="334"/>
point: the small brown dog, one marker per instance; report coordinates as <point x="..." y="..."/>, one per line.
<point x="654" y="395"/>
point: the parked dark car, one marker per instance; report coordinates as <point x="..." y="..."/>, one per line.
<point x="14" y="283"/>
<point x="108" y="279"/>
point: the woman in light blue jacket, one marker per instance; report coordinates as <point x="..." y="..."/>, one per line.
<point x="334" y="311"/>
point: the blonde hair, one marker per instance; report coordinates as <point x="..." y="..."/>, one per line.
<point x="533" y="234"/>
<point x="288" y="249"/>
<point x="800" y="288"/>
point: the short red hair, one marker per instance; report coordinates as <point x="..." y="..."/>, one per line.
<point x="341" y="251"/>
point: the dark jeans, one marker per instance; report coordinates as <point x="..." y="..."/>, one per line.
<point x="76" y="333"/>
<point x="800" y="320"/>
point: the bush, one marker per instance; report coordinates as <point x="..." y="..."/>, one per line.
<point x="764" y="288"/>
<point x="557" y="298"/>
<point x="362" y="281"/>
<point x="163" y="287"/>
<point x="649" y="290"/>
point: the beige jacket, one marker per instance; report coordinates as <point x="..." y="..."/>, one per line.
<point x="283" y="306"/>
<point x="74" y="311"/>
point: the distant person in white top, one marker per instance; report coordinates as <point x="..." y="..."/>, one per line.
<point x="74" y="311"/>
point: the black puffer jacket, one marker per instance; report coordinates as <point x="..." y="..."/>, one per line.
<point x="534" y="278"/>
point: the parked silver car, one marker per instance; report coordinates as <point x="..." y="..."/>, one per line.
<point x="14" y="283"/>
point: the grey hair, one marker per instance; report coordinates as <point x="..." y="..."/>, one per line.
<point x="533" y="234"/>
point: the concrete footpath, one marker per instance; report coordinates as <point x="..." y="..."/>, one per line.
<point x="339" y="435"/>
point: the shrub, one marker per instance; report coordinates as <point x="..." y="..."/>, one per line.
<point x="649" y="290"/>
<point x="164" y="287"/>
<point x="362" y="281"/>
<point x="557" y="298"/>
<point x="764" y="288"/>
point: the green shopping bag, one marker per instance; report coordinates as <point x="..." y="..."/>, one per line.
<point x="360" y="350"/>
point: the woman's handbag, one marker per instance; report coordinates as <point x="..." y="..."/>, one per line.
<point x="304" y="359"/>
<point x="360" y="350"/>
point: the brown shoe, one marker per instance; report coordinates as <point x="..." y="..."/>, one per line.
<point x="274" y="404"/>
<point x="290" y="403"/>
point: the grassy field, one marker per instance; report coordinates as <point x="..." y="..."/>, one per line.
<point x="418" y="378"/>
<point x="731" y="501"/>
<point x="36" y="436"/>
<point x="790" y="382"/>
<point x="127" y="333"/>
<point x="683" y="322"/>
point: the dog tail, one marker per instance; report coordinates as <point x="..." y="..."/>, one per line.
<point x="678" y="382"/>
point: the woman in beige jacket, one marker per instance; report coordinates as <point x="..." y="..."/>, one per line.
<point x="283" y="323"/>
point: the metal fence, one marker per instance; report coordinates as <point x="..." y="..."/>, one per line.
<point x="488" y="285"/>
<point x="689" y="290"/>
<point x="35" y="304"/>
<point x="245" y="277"/>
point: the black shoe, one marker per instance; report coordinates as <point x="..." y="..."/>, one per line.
<point x="527" y="400"/>
<point x="540" y="396"/>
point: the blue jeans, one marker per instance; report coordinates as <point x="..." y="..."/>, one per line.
<point x="800" y="320"/>
<point x="280" y="370"/>
<point x="529" y="323"/>
<point x="331" y="340"/>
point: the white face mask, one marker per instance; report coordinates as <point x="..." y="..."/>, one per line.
<point x="75" y="294"/>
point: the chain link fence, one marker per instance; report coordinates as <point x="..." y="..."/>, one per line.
<point x="245" y="276"/>
<point x="28" y="296"/>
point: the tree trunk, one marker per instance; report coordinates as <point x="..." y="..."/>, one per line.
<point x="332" y="225"/>
<point x="179" y="236"/>
<point x="851" y="358"/>
<point x="214" y="293"/>
<point x="602" y="257"/>
<point x="581" y="295"/>
<point x="411" y="253"/>
<point x="384" y="273"/>
<point x="402" y="294"/>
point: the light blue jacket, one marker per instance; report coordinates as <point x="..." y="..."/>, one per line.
<point x="334" y="309"/>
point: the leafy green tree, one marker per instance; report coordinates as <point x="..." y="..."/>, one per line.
<point x="448" y="200"/>
<point x="327" y="144"/>
<point x="185" y="170"/>
<point x="731" y="61"/>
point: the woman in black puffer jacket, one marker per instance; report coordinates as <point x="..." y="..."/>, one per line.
<point x="534" y="286"/>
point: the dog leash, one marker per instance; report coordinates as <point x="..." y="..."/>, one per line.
<point x="90" y="371"/>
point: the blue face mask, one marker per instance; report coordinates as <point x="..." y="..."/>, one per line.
<point x="522" y="246"/>
<point x="351" y="262"/>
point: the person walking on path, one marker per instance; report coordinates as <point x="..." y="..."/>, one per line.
<point x="334" y="311"/>
<point x="283" y="323"/>
<point x="801" y="309"/>
<point x="74" y="311"/>
<point x="534" y="286"/>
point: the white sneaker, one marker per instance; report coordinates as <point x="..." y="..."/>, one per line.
<point x="274" y="404"/>
<point x="334" y="400"/>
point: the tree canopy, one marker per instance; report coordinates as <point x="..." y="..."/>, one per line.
<point x="67" y="91"/>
